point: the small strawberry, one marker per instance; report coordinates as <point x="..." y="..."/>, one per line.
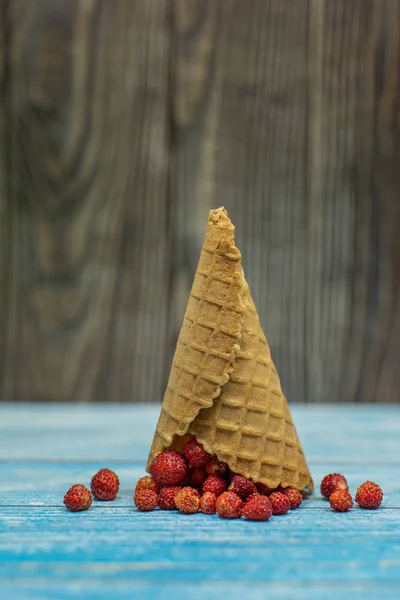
<point x="196" y="476"/>
<point x="166" y="499"/>
<point x="78" y="498"/>
<point x="214" y="484"/>
<point x="295" y="498"/>
<point x="242" y="487"/>
<point x="147" y="483"/>
<point x="207" y="503"/>
<point x="168" y="468"/>
<point x="146" y="500"/>
<point x="229" y="505"/>
<point x="195" y="454"/>
<point x="216" y="467"/>
<point x="253" y="496"/>
<point x="369" y="495"/>
<point x="105" y="485"/>
<point x="258" y="509"/>
<point x="280" y="503"/>
<point x="333" y="482"/>
<point x="187" y="500"/>
<point x="340" y="500"/>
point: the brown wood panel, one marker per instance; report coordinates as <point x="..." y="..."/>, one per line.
<point x="353" y="284"/>
<point x="123" y="122"/>
<point x="240" y="115"/>
<point x="87" y="116"/>
<point x="278" y="109"/>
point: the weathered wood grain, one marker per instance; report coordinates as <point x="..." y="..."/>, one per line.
<point x="5" y="192"/>
<point x="241" y="141"/>
<point x="89" y="266"/>
<point x="123" y="123"/>
<point x="353" y="286"/>
<point x="278" y="110"/>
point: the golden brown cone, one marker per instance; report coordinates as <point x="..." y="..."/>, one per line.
<point x="223" y="387"/>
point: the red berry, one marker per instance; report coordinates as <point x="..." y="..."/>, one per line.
<point x="252" y="496"/>
<point x="369" y="495"/>
<point x="196" y="476"/>
<point x="229" y="505"/>
<point x="187" y="500"/>
<point x="147" y="483"/>
<point x="146" y="500"/>
<point x="214" y="484"/>
<point x="257" y="509"/>
<point x="264" y="489"/>
<point x="207" y="503"/>
<point x="195" y="454"/>
<point x="333" y="482"/>
<point x="242" y="487"/>
<point x="78" y="498"/>
<point x="295" y="498"/>
<point x="280" y="503"/>
<point x="340" y="500"/>
<point x="216" y="467"/>
<point x="168" y="468"/>
<point x="166" y="499"/>
<point x="105" y="485"/>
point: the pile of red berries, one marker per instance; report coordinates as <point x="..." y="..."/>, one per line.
<point x="104" y="486"/>
<point x="334" y="487"/>
<point x="195" y="481"/>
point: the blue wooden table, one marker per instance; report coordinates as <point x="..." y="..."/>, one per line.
<point x="113" y="551"/>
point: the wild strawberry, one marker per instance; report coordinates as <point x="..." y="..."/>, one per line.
<point x="333" y="482"/>
<point x="216" y="467"/>
<point x="257" y="509"/>
<point x="187" y="500"/>
<point x="147" y="483"/>
<point x="280" y="503"/>
<point x="195" y="454"/>
<point x="78" y="498"/>
<point x="146" y="500"/>
<point x="242" y="487"/>
<point x="214" y="484"/>
<point x="253" y="496"/>
<point x="264" y="489"/>
<point x="168" y="468"/>
<point x="229" y="505"/>
<point x="196" y="476"/>
<point x="369" y="495"/>
<point x="207" y="503"/>
<point x="340" y="500"/>
<point x="105" y="485"/>
<point x="166" y="499"/>
<point x="295" y="498"/>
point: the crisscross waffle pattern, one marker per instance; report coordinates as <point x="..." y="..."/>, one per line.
<point x="249" y="425"/>
<point x="208" y="340"/>
<point x="223" y="386"/>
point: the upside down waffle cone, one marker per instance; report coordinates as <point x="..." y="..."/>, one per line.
<point x="223" y="387"/>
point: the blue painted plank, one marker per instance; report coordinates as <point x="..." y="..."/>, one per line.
<point x="305" y="544"/>
<point x="114" y="551"/>
<point x="308" y="550"/>
<point x="328" y="433"/>
<point x="120" y="589"/>
<point x="33" y="483"/>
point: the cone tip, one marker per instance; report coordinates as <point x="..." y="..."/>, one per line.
<point x="219" y="217"/>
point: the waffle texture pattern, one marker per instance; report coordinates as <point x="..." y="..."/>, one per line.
<point x="223" y="387"/>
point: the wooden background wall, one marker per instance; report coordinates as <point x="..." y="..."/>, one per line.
<point x="124" y="121"/>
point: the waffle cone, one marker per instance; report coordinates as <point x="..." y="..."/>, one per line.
<point x="223" y="387"/>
